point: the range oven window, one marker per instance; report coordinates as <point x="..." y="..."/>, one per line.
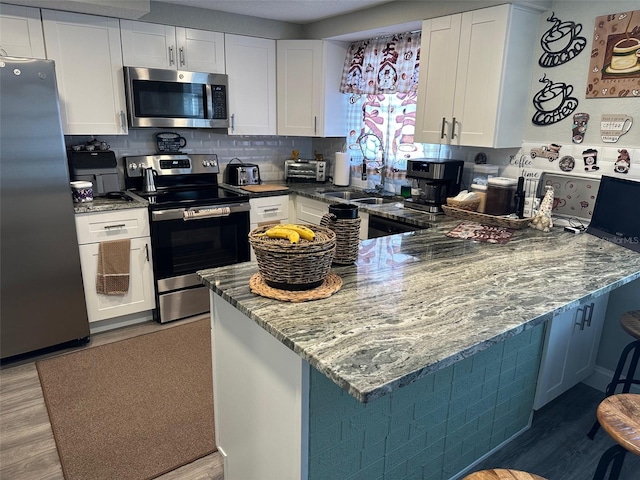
<point x="169" y="99"/>
<point x="183" y="247"/>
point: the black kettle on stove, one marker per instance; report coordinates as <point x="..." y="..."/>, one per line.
<point x="148" y="180"/>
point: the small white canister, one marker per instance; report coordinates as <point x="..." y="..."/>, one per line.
<point x="82" y="191"/>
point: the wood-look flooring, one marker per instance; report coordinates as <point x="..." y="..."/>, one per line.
<point x="555" y="447"/>
<point x="27" y="448"/>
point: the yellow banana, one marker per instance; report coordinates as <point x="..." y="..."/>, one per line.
<point x="303" y="231"/>
<point x="277" y="232"/>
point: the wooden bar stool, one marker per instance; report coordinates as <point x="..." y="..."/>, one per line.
<point x="630" y="323"/>
<point x="619" y="416"/>
<point x="502" y="474"/>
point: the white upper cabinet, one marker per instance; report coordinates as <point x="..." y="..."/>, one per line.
<point x="171" y="48"/>
<point x="475" y="75"/>
<point x="309" y="100"/>
<point x="21" y="32"/>
<point x="88" y="59"/>
<point x="251" y="67"/>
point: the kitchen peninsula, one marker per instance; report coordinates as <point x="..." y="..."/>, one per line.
<point x="424" y="361"/>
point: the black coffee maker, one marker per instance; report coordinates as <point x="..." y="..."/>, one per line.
<point x="433" y="180"/>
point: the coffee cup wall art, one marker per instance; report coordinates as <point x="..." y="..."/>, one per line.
<point x="614" y="70"/>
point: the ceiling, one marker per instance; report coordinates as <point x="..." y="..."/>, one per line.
<point x="294" y="11"/>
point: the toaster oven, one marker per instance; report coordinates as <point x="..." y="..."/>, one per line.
<point x="305" y="170"/>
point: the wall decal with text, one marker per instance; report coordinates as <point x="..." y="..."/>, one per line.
<point x="613" y="126"/>
<point x="553" y="103"/>
<point x="561" y="42"/>
<point x="614" y="70"/>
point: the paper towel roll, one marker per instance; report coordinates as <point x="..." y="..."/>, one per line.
<point x="341" y="170"/>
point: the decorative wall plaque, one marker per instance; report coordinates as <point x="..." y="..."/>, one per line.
<point x="614" y="70"/>
<point x="613" y="126"/>
<point x="553" y="103"/>
<point x="561" y="42"/>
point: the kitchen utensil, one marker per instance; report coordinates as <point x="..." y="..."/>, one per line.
<point x="148" y="180"/>
<point x="344" y="211"/>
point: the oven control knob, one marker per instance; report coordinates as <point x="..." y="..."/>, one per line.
<point x="206" y="164"/>
<point x="133" y="166"/>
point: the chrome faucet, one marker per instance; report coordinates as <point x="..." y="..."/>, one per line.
<point x="383" y="167"/>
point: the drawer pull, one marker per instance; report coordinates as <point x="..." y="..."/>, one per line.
<point x="146" y="251"/>
<point x="269" y="210"/>
<point x="119" y="226"/>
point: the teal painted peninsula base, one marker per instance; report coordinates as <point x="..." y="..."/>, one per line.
<point x="279" y="418"/>
<point x="431" y="429"/>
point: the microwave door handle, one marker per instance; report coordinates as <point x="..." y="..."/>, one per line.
<point x="209" y="93"/>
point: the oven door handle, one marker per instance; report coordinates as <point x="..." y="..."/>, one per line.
<point x="199" y="213"/>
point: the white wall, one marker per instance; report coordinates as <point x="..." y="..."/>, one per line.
<point x="575" y="73"/>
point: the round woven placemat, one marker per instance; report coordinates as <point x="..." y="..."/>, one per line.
<point x="331" y="285"/>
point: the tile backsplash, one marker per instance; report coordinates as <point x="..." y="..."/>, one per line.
<point x="269" y="152"/>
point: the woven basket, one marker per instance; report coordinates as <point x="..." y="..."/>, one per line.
<point x="347" y="237"/>
<point x="471" y="205"/>
<point x="294" y="266"/>
<point x="485" y="219"/>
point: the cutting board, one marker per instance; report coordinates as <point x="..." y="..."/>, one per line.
<point x="263" y="188"/>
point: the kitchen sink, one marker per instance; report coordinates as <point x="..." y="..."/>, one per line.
<point x="346" y="195"/>
<point x="374" y="200"/>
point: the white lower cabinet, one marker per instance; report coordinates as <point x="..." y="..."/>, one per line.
<point x="570" y="349"/>
<point x="267" y="211"/>
<point x="116" y="225"/>
<point x="308" y="210"/>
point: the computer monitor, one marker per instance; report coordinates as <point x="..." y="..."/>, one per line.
<point x="616" y="215"/>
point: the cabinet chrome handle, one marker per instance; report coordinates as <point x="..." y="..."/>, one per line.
<point x="590" y="314"/>
<point x="123" y="123"/>
<point x="146" y="251"/>
<point x="181" y="52"/>
<point x="233" y="122"/>
<point x="444" y="122"/>
<point x="267" y="210"/>
<point x="171" y="61"/>
<point x="587" y="315"/>
<point x="315" y="125"/>
<point x="453" y="128"/>
<point x="110" y="227"/>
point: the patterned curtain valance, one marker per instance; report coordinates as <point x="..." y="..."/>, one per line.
<point x="382" y="65"/>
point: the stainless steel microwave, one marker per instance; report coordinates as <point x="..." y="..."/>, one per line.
<point x="170" y="98"/>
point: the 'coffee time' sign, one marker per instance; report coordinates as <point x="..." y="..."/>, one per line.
<point x="614" y="70"/>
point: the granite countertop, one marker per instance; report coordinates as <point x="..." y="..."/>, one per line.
<point x="104" y="204"/>
<point x="417" y="302"/>
<point x="394" y="210"/>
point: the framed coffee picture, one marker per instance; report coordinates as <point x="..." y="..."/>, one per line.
<point x="614" y="70"/>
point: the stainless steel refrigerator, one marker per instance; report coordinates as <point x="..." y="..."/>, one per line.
<point x="41" y="294"/>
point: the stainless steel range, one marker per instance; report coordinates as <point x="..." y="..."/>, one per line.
<point x="195" y="225"/>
